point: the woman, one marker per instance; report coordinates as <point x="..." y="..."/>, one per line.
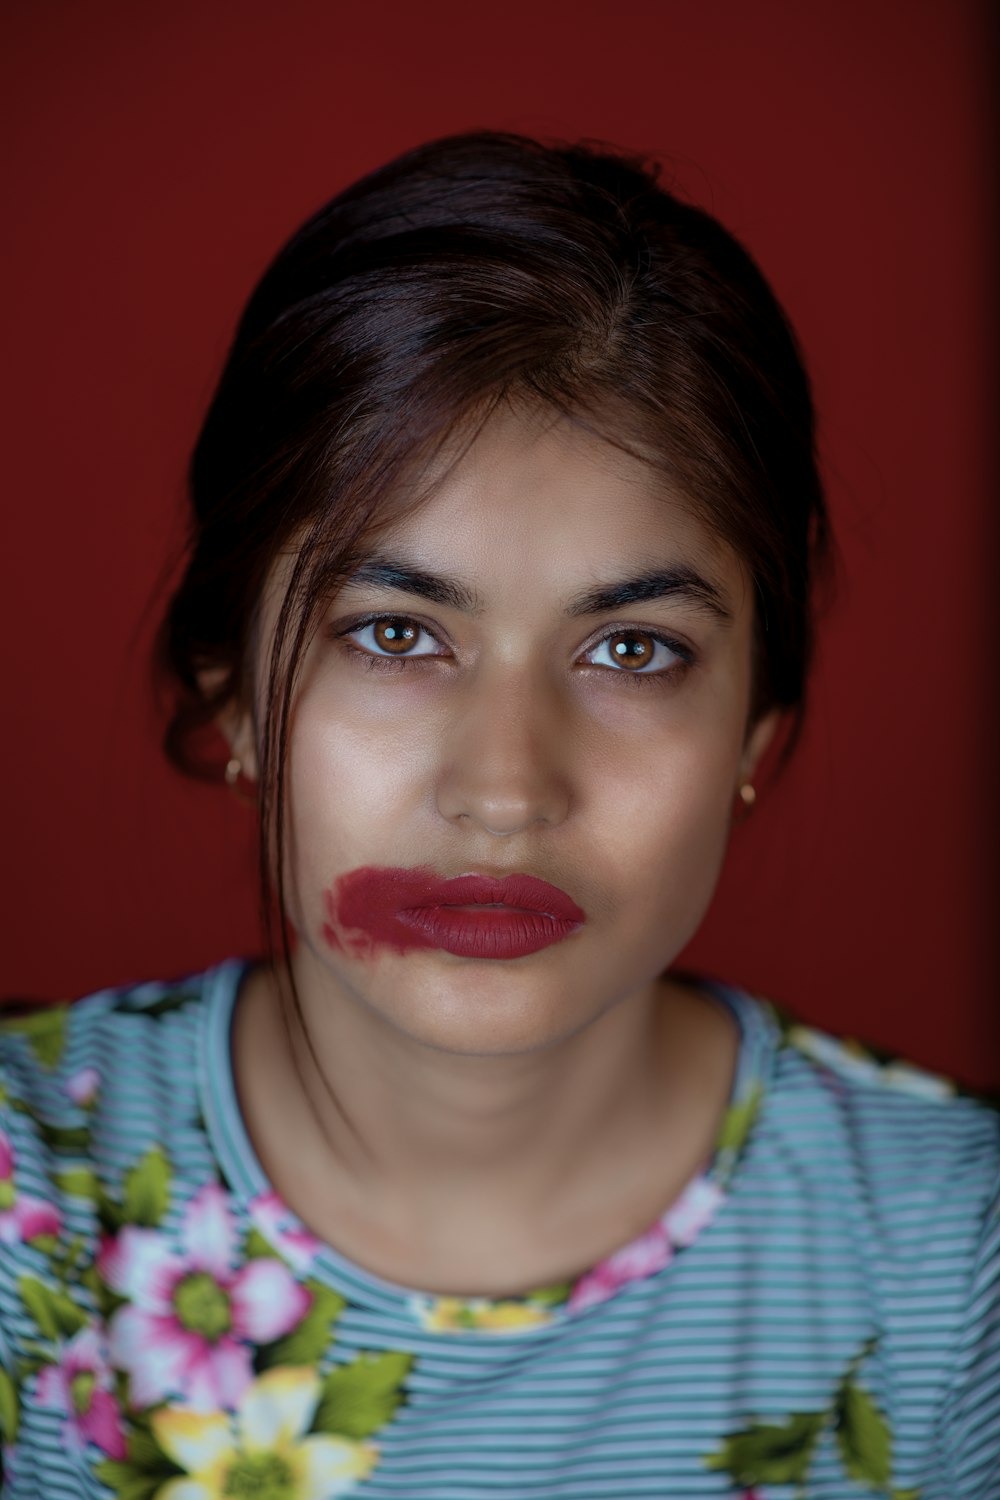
<point x="505" y="517"/>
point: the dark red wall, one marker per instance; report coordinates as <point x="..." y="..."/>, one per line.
<point x="160" y="154"/>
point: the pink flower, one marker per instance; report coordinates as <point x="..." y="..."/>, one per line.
<point x="649" y="1253"/>
<point x="22" y="1217"/>
<point x="80" y="1386"/>
<point x="689" y="1214"/>
<point x="83" y="1085"/>
<point x="679" y="1227"/>
<point x="279" y="1225"/>
<point x="191" y="1315"/>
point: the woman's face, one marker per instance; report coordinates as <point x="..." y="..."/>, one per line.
<point x="511" y="725"/>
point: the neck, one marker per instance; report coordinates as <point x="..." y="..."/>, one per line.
<point x="407" y="1155"/>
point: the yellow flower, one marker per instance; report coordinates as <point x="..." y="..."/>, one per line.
<point x="511" y="1315"/>
<point x="456" y="1314"/>
<point x="261" y="1450"/>
<point x="443" y="1314"/>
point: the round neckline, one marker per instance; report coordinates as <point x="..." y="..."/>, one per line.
<point x="250" y="1186"/>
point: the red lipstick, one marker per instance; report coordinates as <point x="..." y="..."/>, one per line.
<point x="472" y="916"/>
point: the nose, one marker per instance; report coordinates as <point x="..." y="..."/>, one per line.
<point x="506" y="755"/>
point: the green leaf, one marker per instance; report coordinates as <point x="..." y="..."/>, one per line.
<point x="45" y="1030"/>
<point x="310" y="1339"/>
<point x="128" y="1481"/>
<point x="69" y="1317"/>
<point x="147" y="1189"/>
<point x="863" y="1437"/>
<point x="256" y="1247"/>
<point x="73" y="1140"/>
<point x="145" y="1452"/>
<point x="767" y="1453"/>
<point x="48" y="1244"/>
<point x="108" y="1211"/>
<point x="359" y="1398"/>
<point x="69" y="1256"/>
<point x="550" y="1296"/>
<point x="906" y="1494"/>
<point x="738" y="1120"/>
<point x="91" y="1279"/>
<point x="143" y="1487"/>
<point x="10" y="1407"/>
<point x="79" y="1182"/>
<point x="40" y="1355"/>
<point x="56" y="1315"/>
<point x="38" y="1300"/>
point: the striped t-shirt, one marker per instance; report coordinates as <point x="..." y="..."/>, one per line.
<point x="818" y="1313"/>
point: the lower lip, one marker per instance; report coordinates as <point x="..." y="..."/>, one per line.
<point x="373" y="908"/>
<point x="486" y="932"/>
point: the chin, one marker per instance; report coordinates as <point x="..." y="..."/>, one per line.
<point x="484" y="1015"/>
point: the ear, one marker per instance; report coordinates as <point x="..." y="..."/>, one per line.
<point x="235" y="723"/>
<point x="761" y="734"/>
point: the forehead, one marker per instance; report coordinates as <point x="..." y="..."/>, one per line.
<point x="539" y="501"/>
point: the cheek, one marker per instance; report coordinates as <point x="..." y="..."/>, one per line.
<point x="671" y="820"/>
<point x="660" y="828"/>
<point x="352" y="788"/>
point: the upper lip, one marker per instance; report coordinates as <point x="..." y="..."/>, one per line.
<point x="526" y="892"/>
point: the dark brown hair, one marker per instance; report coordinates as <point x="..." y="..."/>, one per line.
<point x="476" y="269"/>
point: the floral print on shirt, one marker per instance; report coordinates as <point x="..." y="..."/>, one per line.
<point x="190" y="1356"/>
<point x="189" y="1359"/>
<point x="782" y="1453"/>
<point x="193" y="1357"/>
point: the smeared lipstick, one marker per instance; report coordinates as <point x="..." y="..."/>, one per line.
<point x="472" y="916"/>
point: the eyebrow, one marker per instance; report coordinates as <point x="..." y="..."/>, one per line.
<point x="677" y="582"/>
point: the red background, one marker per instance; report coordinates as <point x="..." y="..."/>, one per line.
<point x="161" y="152"/>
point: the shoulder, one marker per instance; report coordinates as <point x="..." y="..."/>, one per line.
<point x="884" y="1089"/>
<point x="57" y="1058"/>
<point x="80" y="1084"/>
<point x="918" y="1154"/>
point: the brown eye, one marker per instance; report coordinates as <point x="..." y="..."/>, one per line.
<point x="642" y="654"/>
<point x="395" y="636"/>
<point x="387" y="636"/>
<point x="630" y="649"/>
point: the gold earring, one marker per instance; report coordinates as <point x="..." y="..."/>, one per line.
<point x="234" y="770"/>
<point x="748" y="797"/>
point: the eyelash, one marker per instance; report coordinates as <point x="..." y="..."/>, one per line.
<point x="376" y="663"/>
